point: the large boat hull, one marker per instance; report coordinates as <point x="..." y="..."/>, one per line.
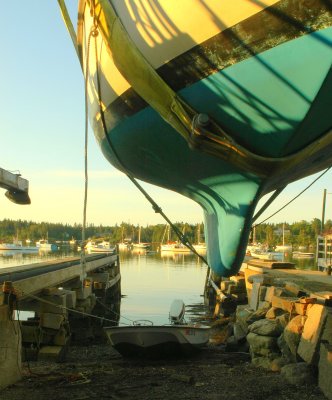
<point x="261" y="73"/>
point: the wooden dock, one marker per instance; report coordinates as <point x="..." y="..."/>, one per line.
<point x="69" y="299"/>
<point x="33" y="278"/>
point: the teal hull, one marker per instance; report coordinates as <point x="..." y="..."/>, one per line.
<point x="275" y="104"/>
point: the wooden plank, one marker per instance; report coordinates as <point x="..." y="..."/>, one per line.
<point x="32" y="285"/>
<point x="28" y="267"/>
<point x="270" y="264"/>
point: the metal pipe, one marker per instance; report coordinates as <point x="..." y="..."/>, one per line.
<point x="218" y="291"/>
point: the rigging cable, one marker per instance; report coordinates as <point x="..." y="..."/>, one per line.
<point x="294" y="198"/>
<point x="93" y="33"/>
<point x="267" y="203"/>
<point x="155" y="206"/>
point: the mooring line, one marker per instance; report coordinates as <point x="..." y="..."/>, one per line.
<point x="294" y="198"/>
<point x="69" y="309"/>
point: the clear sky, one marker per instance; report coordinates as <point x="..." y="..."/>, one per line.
<point x="42" y="135"/>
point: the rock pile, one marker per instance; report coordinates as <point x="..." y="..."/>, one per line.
<point x="286" y="331"/>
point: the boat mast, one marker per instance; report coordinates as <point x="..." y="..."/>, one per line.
<point x="283" y="234"/>
<point x="122" y="236"/>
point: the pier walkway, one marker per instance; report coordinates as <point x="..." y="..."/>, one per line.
<point x="32" y="278"/>
<point x="69" y="301"/>
<point x="314" y="282"/>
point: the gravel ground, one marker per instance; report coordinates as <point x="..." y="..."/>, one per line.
<point x="96" y="371"/>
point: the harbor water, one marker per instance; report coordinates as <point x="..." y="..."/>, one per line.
<point x="150" y="281"/>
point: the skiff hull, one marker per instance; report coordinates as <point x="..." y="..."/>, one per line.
<point x="157" y="341"/>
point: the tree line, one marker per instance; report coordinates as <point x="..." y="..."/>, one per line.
<point x="302" y="233"/>
<point x="23" y="230"/>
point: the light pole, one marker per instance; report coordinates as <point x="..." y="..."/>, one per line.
<point x="323" y="211"/>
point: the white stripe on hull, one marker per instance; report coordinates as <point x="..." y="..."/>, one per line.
<point x="162" y="30"/>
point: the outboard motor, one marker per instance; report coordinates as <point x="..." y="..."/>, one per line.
<point x="176" y="312"/>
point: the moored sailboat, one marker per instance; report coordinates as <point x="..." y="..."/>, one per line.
<point x="284" y="247"/>
<point x="200" y="246"/>
<point x="125" y="242"/>
<point x="140" y="245"/>
<point x="167" y="245"/>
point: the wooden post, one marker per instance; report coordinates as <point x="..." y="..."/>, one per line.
<point x="10" y="334"/>
<point x="323" y="211"/>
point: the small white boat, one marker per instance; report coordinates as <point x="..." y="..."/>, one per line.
<point x="143" y="339"/>
<point x="175" y="248"/>
<point x="101" y="247"/>
<point x="123" y="246"/>
<point x="301" y="254"/>
<point x="17" y="246"/>
<point x="284" y="247"/>
<point x="254" y="248"/>
<point x="266" y="255"/>
<point x="171" y="246"/>
<point x="44" y="245"/>
<point x="140" y="245"/>
<point x="200" y="247"/>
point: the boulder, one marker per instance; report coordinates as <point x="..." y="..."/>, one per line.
<point x="262" y="345"/>
<point x="325" y="369"/>
<point x="278" y="363"/>
<point x="285" y="350"/>
<point x="283" y="319"/>
<point x="255" y="316"/>
<point x="261" y="362"/>
<point x="299" y="374"/>
<point x="240" y="333"/>
<point x="274" y="312"/>
<point x="265" y="362"/>
<point x="293" y="331"/>
<point x="308" y="348"/>
<point x="266" y="327"/>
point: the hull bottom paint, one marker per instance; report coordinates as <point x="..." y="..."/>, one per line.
<point x="228" y="199"/>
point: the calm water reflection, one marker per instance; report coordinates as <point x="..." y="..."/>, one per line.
<point x="150" y="281"/>
<point x="301" y="262"/>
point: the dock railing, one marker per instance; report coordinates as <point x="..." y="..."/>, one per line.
<point x="324" y="252"/>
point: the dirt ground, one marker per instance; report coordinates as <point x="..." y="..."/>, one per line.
<point x="96" y="372"/>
